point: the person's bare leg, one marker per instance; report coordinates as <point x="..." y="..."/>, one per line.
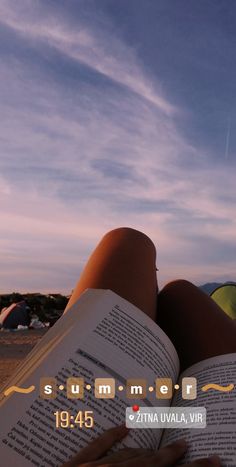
<point x="197" y="326"/>
<point x="123" y="261"/>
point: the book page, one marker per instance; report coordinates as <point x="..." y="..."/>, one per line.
<point x="113" y="339"/>
<point x="51" y="338"/>
<point x="219" y="436"/>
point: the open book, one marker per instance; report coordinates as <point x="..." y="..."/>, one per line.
<point x="104" y="336"/>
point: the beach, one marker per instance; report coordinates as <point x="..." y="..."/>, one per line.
<point x="14" y="346"/>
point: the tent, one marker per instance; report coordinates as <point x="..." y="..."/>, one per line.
<point x="16" y="313"/>
<point x="225" y="297"/>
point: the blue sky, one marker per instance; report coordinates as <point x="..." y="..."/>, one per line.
<point x="113" y="113"/>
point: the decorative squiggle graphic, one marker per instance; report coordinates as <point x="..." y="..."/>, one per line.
<point x="18" y="389"/>
<point x="228" y="388"/>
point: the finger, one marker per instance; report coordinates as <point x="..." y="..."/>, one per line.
<point x="99" y="446"/>
<point x="163" y="458"/>
<point x="124" y="454"/>
<point x="213" y="461"/>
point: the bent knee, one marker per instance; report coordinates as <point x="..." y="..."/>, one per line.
<point x="179" y="285"/>
<point x="128" y="234"/>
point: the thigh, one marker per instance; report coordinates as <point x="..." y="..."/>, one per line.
<point x="123" y="261"/>
<point x="197" y="326"/>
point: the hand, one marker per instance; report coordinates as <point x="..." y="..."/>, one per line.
<point x="91" y="455"/>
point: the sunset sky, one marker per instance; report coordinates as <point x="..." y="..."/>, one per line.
<point x="116" y="113"/>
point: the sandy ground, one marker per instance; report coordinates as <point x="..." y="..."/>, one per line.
<point x="14" y="346"/>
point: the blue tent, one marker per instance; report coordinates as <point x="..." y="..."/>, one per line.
<point x="17" y="313"/>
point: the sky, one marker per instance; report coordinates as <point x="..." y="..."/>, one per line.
<point x="116" y="113"/>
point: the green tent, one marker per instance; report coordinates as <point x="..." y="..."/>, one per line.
<point x="225" y="297"/>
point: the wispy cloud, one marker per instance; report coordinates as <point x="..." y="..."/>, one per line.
<point x="118" y="62"/>
<point x="89" y="141"/>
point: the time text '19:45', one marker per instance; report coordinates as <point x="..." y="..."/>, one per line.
<point x="81" y="419"/>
